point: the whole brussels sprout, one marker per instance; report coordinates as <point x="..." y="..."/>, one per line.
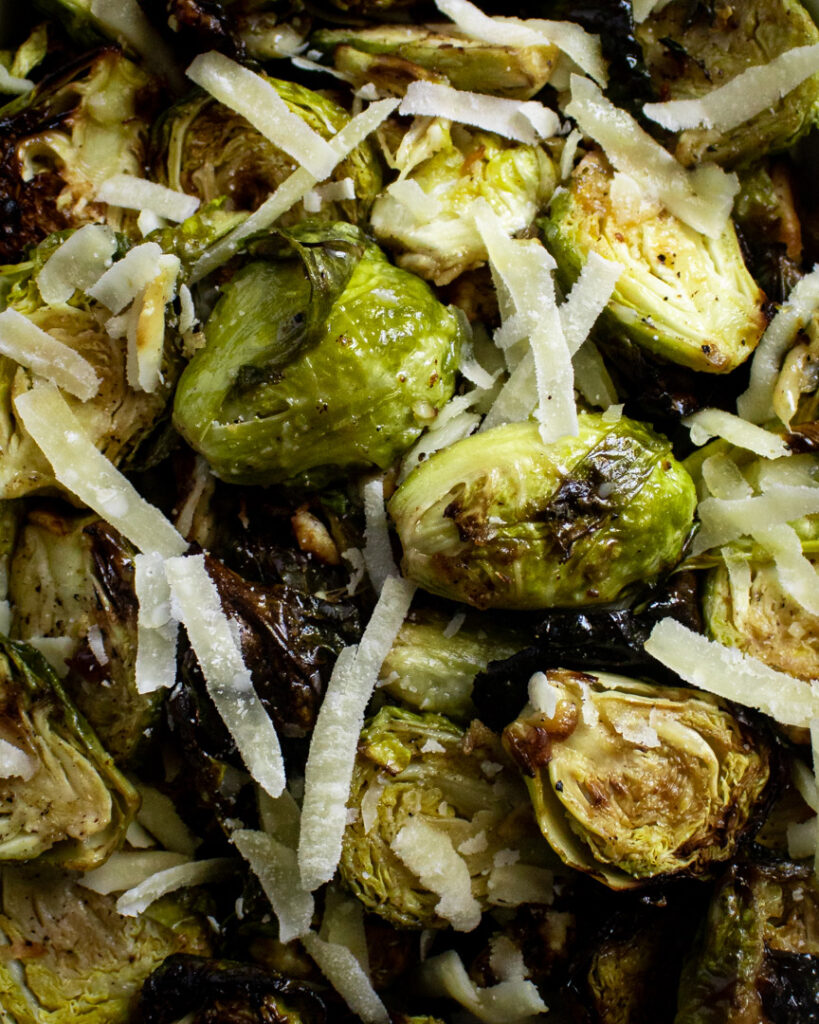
<point x="437" y="238"/>
<point x="316" y="365"/>
<point x="63" y="797"/>
<point x="683" y="296"/>
<point x="60" y="142"/>
<point x="757" y="956"/>
<point x="422" y="768"/>
<point x="394" y="55"/>
<point x="76" y="958"/>
<point x="502" y="520"/>
<point x="632" y="781"/>
<point x="689" y="51"/>
<point x="205" y="149"/>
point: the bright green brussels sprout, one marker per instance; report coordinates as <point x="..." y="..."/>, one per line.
<point x="422" y="768"/>
<point x="757" y="957"/>
<point x="63" y="797"/>
<point x="74" y="957"/>
<point x="395" y="55"/>
<point x="632" y="781"/>
<point x="205" y="149"/>
<point x="683" y="296"/>
<point x="59" y="143"/>
<point x="437" y="238"/>
<point x="502" y="520"/>
<point x="73" y="576"/>
<point x="324" y="361"/>
<point x="431" y="669"/>
<point x="117" y="419"/>
<point x="691" y="50"/>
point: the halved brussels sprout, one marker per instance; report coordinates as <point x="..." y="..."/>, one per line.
<point x="683" y="296"/>
<point x="318" y="364"/>
<point x="421" y="768"/>
<point x="395" y="55"/>
<point x="70" y="956"/>
<point x="690" y="50"/>
<point x="432" y="669"/>
<point x="63" y="797"/>
<point x="205" y="149"/>
<point x="632" y="781"/>
<point x="502" y="520"/>
<point x="757" y="957"/>
<point x="59" y="143"/>
<point x="73" y="576"/>
<point x="434" y="235"/>
<point x="260" y="29"/>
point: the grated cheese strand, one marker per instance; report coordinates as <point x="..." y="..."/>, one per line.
<point x="196" y="602"/>
<point x="378" y="556"/>
<point x="200" y="872"/>
<point x="132" y="193"/>
<point x="329" y="767"/>
<point x="708" y="423"/>
<point x="796" y="573"/>
<point x="340" y="967"/>
<point x="122" y="282"/>
<point x="728" y="673"/>
<point x="78" y="262"/>
<point x="126" y="22"/>
<point x="749" y="93"/>
<point x="274" y="864"/>
<point x="34" y="348"/>
<point x="157" y="631"/>
<point x="125" y="870"/>
<point x="86" y="472"/>
<point x="726" y="520"/>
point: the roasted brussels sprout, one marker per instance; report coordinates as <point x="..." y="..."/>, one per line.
<point x="690" y="50"/>
<point x="59" y="143"/>
<point x="682" y="296"/>
<point x="432" y="668"/>
<point x="421" y="770"/>
<point x="502" y="520"/>
<point x="71" y="956"/>
<point x="631" y="781"/>
<point x="63" y="797"/>
<point x="260" y="29"/>
<point x="395" y="55"/>
<point x="757" y="958"/>
<point x="316" y="365"/>
<point x="205" y="149"/>
<point x="433" y="233"/>
<point x="72" y="576"/>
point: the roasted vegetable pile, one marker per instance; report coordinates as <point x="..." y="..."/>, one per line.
<point x="409" y="512"/>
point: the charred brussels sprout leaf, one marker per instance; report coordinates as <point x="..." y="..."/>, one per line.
<point x="692" y="48"/>
<point x="76" y="957"/>
<point x="502" y="520"/>
<point x="394" y="55"/>
<point x="205" y="149"/>
<point x="317" y="365"/>
<point x="262" y="29"/>
<point x="66" y="800"/>
<point x="59" y="143"/>
<point x="222" y="992"/>
<point x="437" y="239"/>
<point x="422" y="768"/>
<point x="683" y="296"/>
<point x="632" y="781"/>
<point x="757" y="958"/>
<point x="73" y="576"/>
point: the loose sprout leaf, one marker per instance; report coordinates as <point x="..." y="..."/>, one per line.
<point x="126" y="22"/>
<point x="729" y="673"/>
<point x="122" y="282"/>
<point x="156" y="629"/>
<point x="227" y="678"/>
<point x="258" y="102"/>
<point x="158" y="814"/>
<point x="707" y="423"/>
<point x="79" y="261"/>
<point x="293" y="188"/>
<point x="133" y="193"/>
<point x="34" y="348"/>
<point x="276" y="867"/>
<point x="125" y="870"/>
<point x="12" y="85"/>
<point x="347" y="977"/>
<point x="85" y="472"/>
<point x="703" y="198"/>
<point x="333" y="745"/>
<point x="200" y="872"/>
<point x="745" y="96"/>
<point x="642" y="8"/>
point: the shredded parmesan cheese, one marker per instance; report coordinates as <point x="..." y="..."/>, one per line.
<point x="332" y="192"/>
<point x="32" y="347"/>
<point x="274" y="864"/>
<point x="748" y="94"/>
<point x="197" y="602"/>
<point x="122" y="282"/>
<point x="542" y="695"/>
<point x="729" y="673"/>
<point x="85" y="471"/>
<point x="200" y="872"/>
<point x="726" y="520"/>
<point x="11" y="85"/>
<point x="378" y="556"/>
<point x="796" y="573"/>
<point x="341" y="968"/>
<point x="158" y="814"/>
<point x="132" y="193"/>
<point x="126" y="22"/>
<point x="78" y="262"/>
<point x="708" y="423"/>
<point x="125" y="870"/>
<point x="156" y="631"/>
<point x="15" y="763"/>
<point x="146" y="327"/>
